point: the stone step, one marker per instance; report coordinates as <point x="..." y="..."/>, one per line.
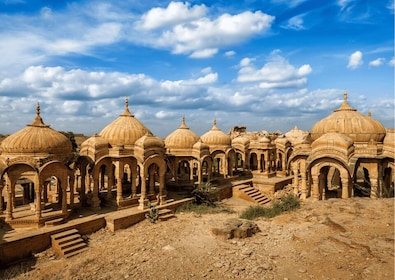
<point x="164" y="211"/>
<point x="64" y="233"/>
<point x="166" y="217"/>
<point x="71" y="254"/>
<point x="71" y="243"/>
<point x="74" y="248"/>
<point x="68" y="238"/>
<point x="68" y="243"/>
<point x="249" y="190"/>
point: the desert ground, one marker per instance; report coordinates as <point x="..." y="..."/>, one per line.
<point x="332" y="239"/>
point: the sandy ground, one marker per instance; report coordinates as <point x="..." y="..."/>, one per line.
<point x="333" y="239"/>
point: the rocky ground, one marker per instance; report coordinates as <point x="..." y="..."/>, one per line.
<point x="333" y="239"/>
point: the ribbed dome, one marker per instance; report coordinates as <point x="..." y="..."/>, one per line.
<point x="150" y="141"/>
<point x="295" y="134"/>
<point x="216" y="137"/>
<point x="264" y="140"/>
<point x="241" y="140"/>
<point x="95" y="142"/>
<point x="181" y="138"/>
<point x="37" y="138"/>
<point x="333" y="139"/>
<point x="348" y="121"/>
<point x="124" y="130"/>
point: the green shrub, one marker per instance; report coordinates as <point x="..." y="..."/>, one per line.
<point x="153" y="214"/>
<point x="203" y="194"/>
<point x="287" y="203"/>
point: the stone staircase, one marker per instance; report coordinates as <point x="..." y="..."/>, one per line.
<point x="68" y="243"/>
<point x="251" y="194"/>
<point x="166" y="214"/>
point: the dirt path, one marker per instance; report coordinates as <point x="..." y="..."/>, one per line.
<point x="333" y="239"/>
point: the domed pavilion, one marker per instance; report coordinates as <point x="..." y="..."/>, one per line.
<point x="221" y="150"/>
<point x="188" y="157"/>
<point x="346" y="157"/>
<point x="35" y="171"/>
<point x="124" y="156"/>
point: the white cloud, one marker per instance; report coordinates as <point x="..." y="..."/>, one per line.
<point x="290" y="3"/>
<point x="295" y="23"/>
<point x="230" y="53"/>
<point x="392" y="62"/>
<point x="204" y="53"/>
<point x="175" y="13"/>
<point x="276" y="73"/>
<point x="355" y="60"/>
<point x="203" y="37"/>
<point x="377" y="62"/>
<point x="165" y="114"/>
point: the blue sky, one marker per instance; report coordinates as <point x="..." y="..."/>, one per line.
<point x="269" y="65"/>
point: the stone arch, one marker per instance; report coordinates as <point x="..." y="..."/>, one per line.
<point x="11" y="175"/>
<point x="322" y="170"/>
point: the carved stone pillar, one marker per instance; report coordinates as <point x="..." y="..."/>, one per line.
<point x="322" y="181"/>
<point x="64" y="197"/>
<point x="374" y="191"/>
<point x="295" y="182"/>
<point x="37" y="192"/>
<point x="95" y="195"/>
<point x="304" y="185"/>
<point x="133" y="185"/>
<point x="162" y="189"/>
<point x="119" y="182"/>
<point x="345" y="186"/>
<point x="8" y="213"/>
<point x="315" y="190"/>
<point x="110" y="182"/>
<point x="199" y="172"/>
<point x="143" y="201"/>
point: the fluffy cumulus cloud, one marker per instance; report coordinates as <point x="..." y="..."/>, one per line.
<point x="355" y="60"/>
<point x="276" y="73"/>
<point x="183" y="29"/>
<point x="377" y="62"/>
<point x="175" y="13"/>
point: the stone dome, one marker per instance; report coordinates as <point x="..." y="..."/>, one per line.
<point x="348" y="121"/>
<point x="215" y="137"/>
<point x="241" y="140"/>
<point x="264" y="140"/>
<point x="149" y="141"/>
<point x="333" y="139"/>
<point x="124" y="130"/>
<point x="295" y="134"/>
<point x="37" y="138"/>
<point x="94" y="143"/>
<point x="181" y="138"/>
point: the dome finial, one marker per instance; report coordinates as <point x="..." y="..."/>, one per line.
<point x="183" y="125"/>
<point x="127" y="112"/>
<point x="215" y="124"/>
<point x="38" y="109"/>
<point x="38" y="121"/>
<point x="369" y="113"/>
<point x="345" y="106"/>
